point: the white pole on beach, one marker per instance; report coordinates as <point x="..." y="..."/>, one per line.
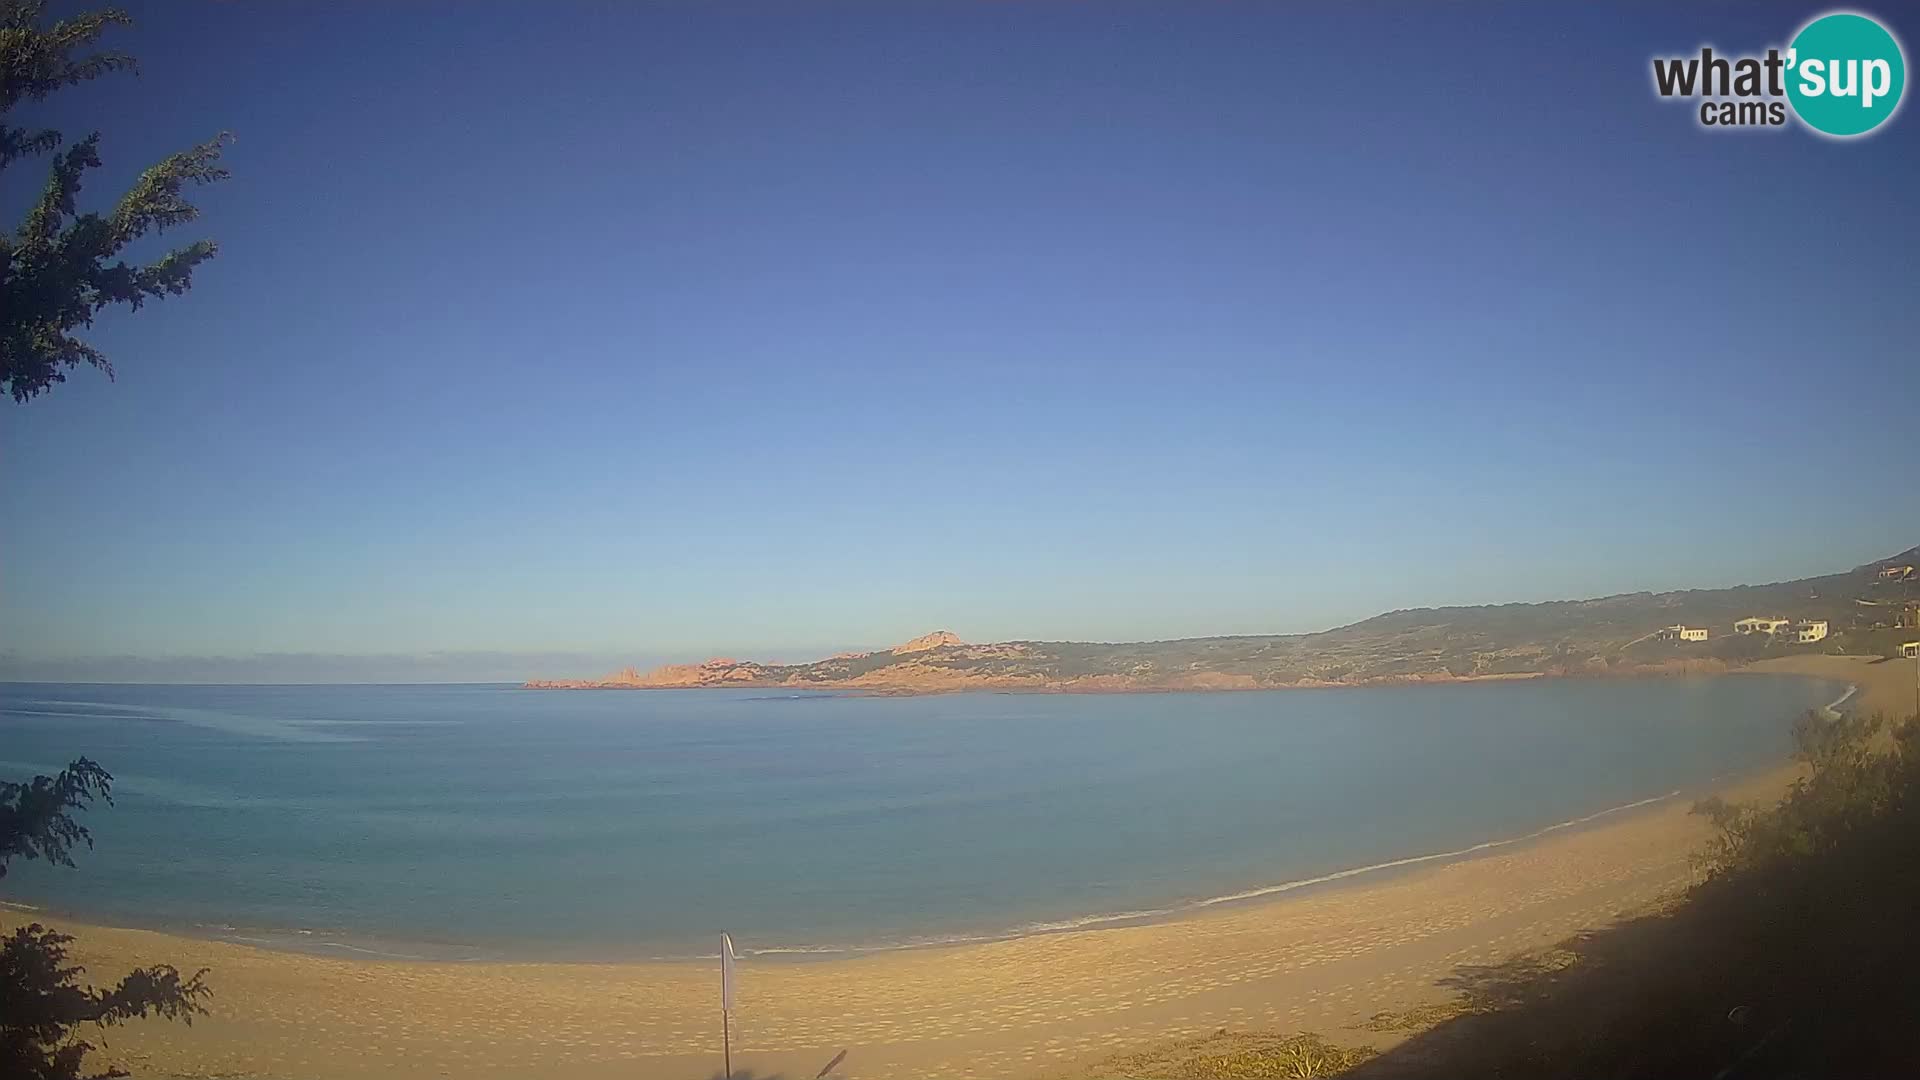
<point x="726" y="1004"/>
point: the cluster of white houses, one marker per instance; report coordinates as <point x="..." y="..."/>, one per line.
<point x="1803" y="631"/>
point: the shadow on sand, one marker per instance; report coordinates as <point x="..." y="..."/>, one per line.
<point x="1799" y="957"/>
<point x="826" y="1073"/>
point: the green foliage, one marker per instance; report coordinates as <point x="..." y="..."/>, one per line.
<point x="1417" y="1018"/>
<point x="1854" y="787"/>
<point x="1222" y="1056"/>
<point x="59" y="267"/>
<point x="43" y="1000"/>
<point x="1742" y="648"/>
<point x="1794" y="957"/>
<point x="1616" y="633"/>
<point x="41" y="996"/>
<point x="35" y="822"/>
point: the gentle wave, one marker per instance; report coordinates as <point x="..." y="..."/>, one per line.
<point x="311" y="941"/>
<point x="370" y="952"/>
<point x="982" y="768"/>
<point x="306" y="940"/>
<point x="1086" y="922"/>
<point x="1411" y="860"/>
<point x="1834" y="705"/>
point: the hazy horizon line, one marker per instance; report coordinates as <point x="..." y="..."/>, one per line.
<point x="505" y="666"/>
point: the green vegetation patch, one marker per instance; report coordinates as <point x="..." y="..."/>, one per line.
<point x="1224" y="1056"/>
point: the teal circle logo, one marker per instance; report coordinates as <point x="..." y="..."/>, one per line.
<point x="1845" y="74"/>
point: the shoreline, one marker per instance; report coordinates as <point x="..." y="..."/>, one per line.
<point x="1014" y="686"/>
<point x="1102" y="685"/>
<point x="320" y="941"/>
<point x="1321" y="958"/>
<point x="1317" y="957"/>
<point x="430" y="952"/>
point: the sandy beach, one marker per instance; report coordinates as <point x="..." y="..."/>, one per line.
<point x="1322" y="959"/>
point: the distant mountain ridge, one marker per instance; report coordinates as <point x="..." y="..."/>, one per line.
<point x="1556" y="637"/>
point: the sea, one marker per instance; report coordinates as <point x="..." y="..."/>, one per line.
<point x="478" y="822"/>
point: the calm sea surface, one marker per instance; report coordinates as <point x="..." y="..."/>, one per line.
<point x="494" y="821"/>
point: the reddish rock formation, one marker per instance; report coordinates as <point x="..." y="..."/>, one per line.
<point x="936" y="640"/>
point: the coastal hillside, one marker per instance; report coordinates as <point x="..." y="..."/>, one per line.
<point x="1866" y="609"/>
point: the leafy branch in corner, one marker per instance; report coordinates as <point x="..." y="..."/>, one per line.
<point x="44" y="999"/>
<point x="41" y="996"/>
<point x="59" y="267"/>
<point x="34" y="818"/>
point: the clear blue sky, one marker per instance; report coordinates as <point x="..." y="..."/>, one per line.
<point x="622" y="332"/>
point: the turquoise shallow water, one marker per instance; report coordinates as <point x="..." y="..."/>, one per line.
<point x="494" y="821"/>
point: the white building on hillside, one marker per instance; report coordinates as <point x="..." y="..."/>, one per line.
<point x="1683" y="633"/>
<point x="1809" y="630"/>
<point x="1759" y="626"/>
